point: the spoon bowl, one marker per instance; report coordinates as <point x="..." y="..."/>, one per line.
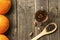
<point x="45" y="32"/>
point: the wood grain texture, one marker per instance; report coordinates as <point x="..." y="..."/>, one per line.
<point x="21" y="16"/>
<point x="53" y="4"/>
<point x="44" y="4"/>
<point x="25" y="9"/>
<point x="12" y="32"/>
<point x="58" y="19"/>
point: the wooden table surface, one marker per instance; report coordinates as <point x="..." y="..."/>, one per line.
<point x="21" y="16"/>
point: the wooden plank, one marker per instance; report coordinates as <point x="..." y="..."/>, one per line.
<point x="25" y="10"/>
<point x="21" y="19"/>
<point x="44" y="4"/>
<point x="58" y="19"/>
<point x="24" y="23"/>
<point x="53" y="4"/>
<point x="12" y="32"/>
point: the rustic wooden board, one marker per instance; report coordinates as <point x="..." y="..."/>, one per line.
<point x="21" y="16"/>
<point x="53" y="11"/>
<point x="25" y="9"/>
<point x="26" y="12"/>
<point x="44" y="4"/>
<point x="12" y="16"/>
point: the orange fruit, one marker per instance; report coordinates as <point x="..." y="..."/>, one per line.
<point x="4" y="24"/>
<point x="4" y="6"/>
<point x="3" y="37"/>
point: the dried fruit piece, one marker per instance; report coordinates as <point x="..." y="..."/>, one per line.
<point x="35" y="23"/>
<point x="50" y="28"/>
<point x="40" y="15"/>
<point x="31" y="34"/>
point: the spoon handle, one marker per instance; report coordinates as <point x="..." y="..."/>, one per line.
<point x="38" y="36"/>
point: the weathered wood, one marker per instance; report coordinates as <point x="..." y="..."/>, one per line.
<point x="58" y="20"/>
<point x="25" y="9"/>
<point x="21" y="20"/>
<point x="53" y="4"/>
<point x="12" y="32"/>
<point x="21" y="16"/>
<point x="44" y="4"/>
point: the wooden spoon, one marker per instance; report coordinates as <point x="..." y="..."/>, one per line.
<point x="45" y="32"/>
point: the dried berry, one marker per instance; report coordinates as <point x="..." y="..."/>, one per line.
<point x="50" y="28"/>
<point x="35" y="23"/>
<point x="40" y="15"/>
